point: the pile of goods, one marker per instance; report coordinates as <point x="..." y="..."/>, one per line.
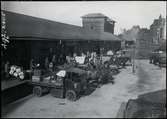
<point x="17" y="72"/>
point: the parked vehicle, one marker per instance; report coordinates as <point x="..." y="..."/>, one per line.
<point x="153" y="59"/>
<point x="67" y="83"/>
<point x="158" y="58"/>
<point x="162" y="59"/>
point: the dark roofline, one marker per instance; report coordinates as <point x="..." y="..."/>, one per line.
<point x="19" y="25"/>
<point x="50" y="39"/>
<point x="41" y="18"/>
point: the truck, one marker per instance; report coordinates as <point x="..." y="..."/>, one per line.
<point x="153" y="59"/>
<point x="162" y="59"/>
<point x="67" y="83"/>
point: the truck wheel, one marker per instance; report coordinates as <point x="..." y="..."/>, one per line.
<point x="71" y="95"/>
<point x="37" y="90"/>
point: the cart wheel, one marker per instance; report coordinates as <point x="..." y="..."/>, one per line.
<point x="71" y="95"/>
<point x="37" y="90"/>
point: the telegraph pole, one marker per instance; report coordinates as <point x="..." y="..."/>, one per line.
<point x="133" y="57"/>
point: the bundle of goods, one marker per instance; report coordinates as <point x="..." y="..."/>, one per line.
<point x="17" y="72"/>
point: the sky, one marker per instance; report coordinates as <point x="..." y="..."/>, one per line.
<point x="125" y="13"/>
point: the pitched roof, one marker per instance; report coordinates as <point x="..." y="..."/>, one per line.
<point x="19" y="25"/>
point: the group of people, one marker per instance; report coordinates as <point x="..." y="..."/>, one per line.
<point x="52" y="60"/>
<point x="90" y="58"/>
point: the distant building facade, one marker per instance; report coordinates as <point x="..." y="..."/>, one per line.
<point x="147" y="40"/>
<point x="98" y="22"/>
<point x="143" y="43"/>
<point x="158" y="32"/>
<point x="129" y="37"/>
<point x="151" y="39"/>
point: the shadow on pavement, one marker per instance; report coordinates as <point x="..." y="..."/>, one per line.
<point x="7" y="109"/>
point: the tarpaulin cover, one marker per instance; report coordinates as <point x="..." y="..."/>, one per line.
<point x="80" y="59"/>
<point x="61" y="73"/>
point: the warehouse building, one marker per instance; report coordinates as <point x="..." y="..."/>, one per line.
<point x="36" y="38"/>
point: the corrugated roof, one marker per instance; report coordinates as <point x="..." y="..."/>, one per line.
<point x="19" y="25"/>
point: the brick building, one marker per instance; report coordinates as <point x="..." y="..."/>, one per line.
<point x="98" y="22"/>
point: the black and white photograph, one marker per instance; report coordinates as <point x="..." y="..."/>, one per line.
<point x="83" y="59"/>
